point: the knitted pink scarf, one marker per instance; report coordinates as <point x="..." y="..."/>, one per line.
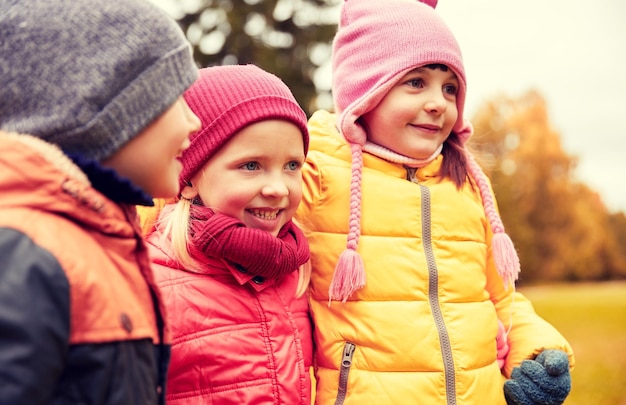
<point x="256" y="251"/>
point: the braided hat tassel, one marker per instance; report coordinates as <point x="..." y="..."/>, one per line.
<point x="349" y="274"/>
<point x="504" y="254"/>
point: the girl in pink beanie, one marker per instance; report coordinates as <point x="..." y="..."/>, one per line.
<point x="412" y="272"/>
<point x="226" y="255"/>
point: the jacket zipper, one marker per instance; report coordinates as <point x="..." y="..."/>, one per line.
<point x="410" y="174"/>
<point x="433" y="298"/>
<point x="346" y="363"/>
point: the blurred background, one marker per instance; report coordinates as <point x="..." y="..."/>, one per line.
<point x="546" y="94"/>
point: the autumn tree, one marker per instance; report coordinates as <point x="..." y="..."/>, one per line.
<point x="561" y="228"/>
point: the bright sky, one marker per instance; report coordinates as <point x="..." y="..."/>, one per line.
<point x="572" y="51"/>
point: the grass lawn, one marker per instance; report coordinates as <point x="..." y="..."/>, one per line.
<point x="593" y="319"/>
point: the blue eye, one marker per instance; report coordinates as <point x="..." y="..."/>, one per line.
<point x="250" y="166"/>
<point x="293" y="165"/>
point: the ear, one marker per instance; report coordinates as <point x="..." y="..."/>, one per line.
<point x="189" y="191"/>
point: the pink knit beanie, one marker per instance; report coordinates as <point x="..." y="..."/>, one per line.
<point x="229" y="98"/>
<point x="376" y="44"/>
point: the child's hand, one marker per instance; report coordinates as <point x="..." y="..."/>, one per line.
<point x="545" y="380"/>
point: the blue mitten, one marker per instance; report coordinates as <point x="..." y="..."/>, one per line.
<point x="545" y="380"/>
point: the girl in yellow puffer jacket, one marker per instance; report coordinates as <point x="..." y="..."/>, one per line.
<point x="408" y="310"/>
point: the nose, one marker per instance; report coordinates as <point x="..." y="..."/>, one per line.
<point x="193" y="125"/>
<point x="275" y="186"/>
<point x="436" y="102"/>
<point x="194" y="122"/>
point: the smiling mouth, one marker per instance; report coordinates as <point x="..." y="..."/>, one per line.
<point x="428" y="127"/>
<point x="266" y="215"/>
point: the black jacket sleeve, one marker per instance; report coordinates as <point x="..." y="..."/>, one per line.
<point x="34" y="320"/>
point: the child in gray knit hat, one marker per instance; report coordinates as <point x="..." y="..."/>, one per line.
<point x="92" y="122"/>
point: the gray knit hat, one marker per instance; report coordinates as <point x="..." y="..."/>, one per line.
<point x="89" y="75"/>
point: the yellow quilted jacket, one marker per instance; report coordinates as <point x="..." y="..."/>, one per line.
<point x="421" y="331"/>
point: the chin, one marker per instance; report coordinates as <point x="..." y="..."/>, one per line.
<point x="422" y="154"/>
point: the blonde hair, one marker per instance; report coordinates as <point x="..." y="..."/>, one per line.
<point x="304" y="272"/>
<point x="176" y="232"/>
<point x="175" y="221"/>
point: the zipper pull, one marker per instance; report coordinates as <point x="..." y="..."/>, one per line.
<point x="346" y="362"/>
<point x="348" y="352"/>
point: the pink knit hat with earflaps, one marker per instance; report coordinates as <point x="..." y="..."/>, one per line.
<point x="376" y="44"/>
<point x="229" y="98"/>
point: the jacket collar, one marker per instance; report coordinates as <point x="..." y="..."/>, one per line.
<point x="37" y="175"/>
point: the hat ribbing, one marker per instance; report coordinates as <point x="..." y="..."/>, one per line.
<point x="229" y="98"/>
<point x="89" y="75"/>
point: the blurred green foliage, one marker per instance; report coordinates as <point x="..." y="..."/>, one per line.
<point x="285" y="37"/>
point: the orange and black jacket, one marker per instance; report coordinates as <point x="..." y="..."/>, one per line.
<point x="80" y="319"/>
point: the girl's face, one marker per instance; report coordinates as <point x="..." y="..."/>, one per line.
<point x="150" y="160"/>
<point x="256" y="176"/>
<point x="417" y="115"/>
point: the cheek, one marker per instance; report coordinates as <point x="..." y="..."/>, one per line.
<point x="295" y="192"/>
<point x="225" y="198"/>
<point x="178" y="139"/>
<point x="171" y="130"/>
<point x="452" y="114"/>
